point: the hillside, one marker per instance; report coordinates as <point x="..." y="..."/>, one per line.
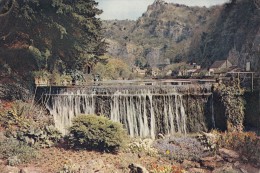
<point x="169" y="32"/>
<point x="162" y="34"/>
<point x="234" y="34"/>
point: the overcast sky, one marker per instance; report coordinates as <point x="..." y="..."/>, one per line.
<point x="132" y="9"/>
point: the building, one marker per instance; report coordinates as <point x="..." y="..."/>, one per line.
<point x="139" y="71"/>
<point x="219" y="67"/>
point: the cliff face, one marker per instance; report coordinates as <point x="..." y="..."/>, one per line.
<point x="234" y="34"/>
<point x="163" y="33"/>
<point x="172" y="32"/>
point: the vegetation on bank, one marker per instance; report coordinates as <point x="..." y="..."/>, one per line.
<point x="60" y="37"/>
<point x="247" y="144"/>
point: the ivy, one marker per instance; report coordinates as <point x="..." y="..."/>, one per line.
<point x="232" y="97"/>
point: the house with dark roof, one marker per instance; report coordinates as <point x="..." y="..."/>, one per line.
<point x="219" y="67"/>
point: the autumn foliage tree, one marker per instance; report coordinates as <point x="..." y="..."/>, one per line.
<point x="113" y="69"/>
<point x="50" y="34"/>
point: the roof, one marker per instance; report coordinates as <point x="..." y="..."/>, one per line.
<point x="198" y="70"/>
<point x="218" y="64"/>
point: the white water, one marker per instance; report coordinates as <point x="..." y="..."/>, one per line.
<point x="140" y="112"/>
<point x="212" y="112"/>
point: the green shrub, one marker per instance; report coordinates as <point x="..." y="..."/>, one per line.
<point x="96" y="132"/>
<point x="47" y="136"/>
<point x="16" y="152"/>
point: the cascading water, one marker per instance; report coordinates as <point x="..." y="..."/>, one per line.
<point x="143" y="112"/>
<point x="212" y="111"/>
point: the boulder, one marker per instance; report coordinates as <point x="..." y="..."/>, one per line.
<point x="208" y="140"/>
<point x="228" y="155"/>
<point x="136" y="168"/>
<point x="189" y="164"/>
<point x="31" y="170"/>
<point x="10" y="169"/>
<point x="226" y="168"/>
<point x="246" y="168"/>
<point x="212" y="162"/>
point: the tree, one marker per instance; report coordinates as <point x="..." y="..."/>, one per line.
<point x="50" y="34"/>
<point x="113" y="69"/>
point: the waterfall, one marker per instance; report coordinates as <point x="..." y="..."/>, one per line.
<point x="143" y="112"/>
<point x="212" y="111"/>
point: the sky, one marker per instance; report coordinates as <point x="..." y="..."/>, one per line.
<point x="132" y="9"/>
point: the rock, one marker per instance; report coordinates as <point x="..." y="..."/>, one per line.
<point x="198" y="170"/>
<point x="189" y="164"/>
<point x="31" y="170"/>
<point x="136" y="168"/>
<point x="226" y="168"/>
<point x="208" y="162"/>
<point x="160" y="136"/>
<point x="246" y="168"/>
<point x="212" y="162"/>
<point x="208" y="140"/>
<point x="10" y="169"/>
<point x="229" y="155"/>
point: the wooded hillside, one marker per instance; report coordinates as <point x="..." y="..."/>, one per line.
<point x="172" y="32"/>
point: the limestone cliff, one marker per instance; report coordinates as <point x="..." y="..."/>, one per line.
<point x="164" y="31"/>
<point x="235" y="32"/>
<point x="173" y="32"/>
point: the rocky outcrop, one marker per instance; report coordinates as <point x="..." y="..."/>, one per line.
<point x="180" y="33"/>
<point x="234" y="31"/>
<point x="229" y="155"/>
<point x="163" y="32"/>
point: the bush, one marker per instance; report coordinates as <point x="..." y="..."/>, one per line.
<point x="247" y="144"/>
<point x="96" y="132"/>
<point x="28" y="123"/>
<point x="20" y="114"/>
<point x="142" y="147"/>
<point x="16" y="152"/>
<point x="47" y="136"/>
